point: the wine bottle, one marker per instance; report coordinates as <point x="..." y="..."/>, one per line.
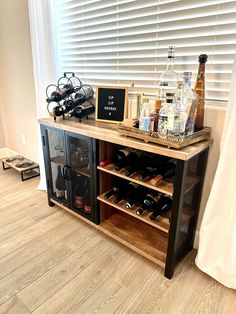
<point x="140" y="211"/>
<point x="121" y="158"/>
<point x="167" y="171"/>
<point x="60" y="182"/>
<point x="152" y="166"/>
<point x="87" y="205"/>
<point x="200" y="90"/>
<point x="117" y="188"/>
<point x="150" y="201"/>
<point x="79" y="184"/>
<point x="135" y="195"/>
<point x="121" y="193"/>
<point x="133" y="160"/>
<point x="62" y="93"/>
<point x="163" y="206"/>
<point x="83" y="110"/>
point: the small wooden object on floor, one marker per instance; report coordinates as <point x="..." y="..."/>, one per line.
<point x="27" y="168"/>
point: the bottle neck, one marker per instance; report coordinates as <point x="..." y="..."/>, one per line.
<point x="170" y="64"/>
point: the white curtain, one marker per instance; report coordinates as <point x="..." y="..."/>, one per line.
<point x="217" y="245"/>
<point x="44" y="61"/>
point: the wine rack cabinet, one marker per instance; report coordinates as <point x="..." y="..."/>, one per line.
<point x="165" y="240"/>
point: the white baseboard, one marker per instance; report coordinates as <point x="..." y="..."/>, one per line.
<point x="6" y="152"/>
<point x="196" y="240"/>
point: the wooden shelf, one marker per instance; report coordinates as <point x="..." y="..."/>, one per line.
<point x="165" y="187"/>
<point x="145" y="240"/>
<point x="161" y="223"/>
<point x="60" y="160"/>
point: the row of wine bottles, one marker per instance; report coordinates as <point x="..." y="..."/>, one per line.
<point x="134" y="194"/>
<point x="146" y="165"/>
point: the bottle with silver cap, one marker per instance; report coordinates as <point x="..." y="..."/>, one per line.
<point x="167" y="89"/>
<point x="169" y="78"/>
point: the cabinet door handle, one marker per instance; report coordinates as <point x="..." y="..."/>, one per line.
<point x="67" y="172"/>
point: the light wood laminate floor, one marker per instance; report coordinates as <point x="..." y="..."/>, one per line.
<point x="52" y="262"/>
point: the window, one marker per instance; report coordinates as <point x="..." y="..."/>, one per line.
<point x="120" y="42"/>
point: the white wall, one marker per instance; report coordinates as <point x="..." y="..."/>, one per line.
<point x="17" y="94"/>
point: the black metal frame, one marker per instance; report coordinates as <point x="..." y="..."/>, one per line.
<point x="174" y="254"/>
<point x="93" y="173"/>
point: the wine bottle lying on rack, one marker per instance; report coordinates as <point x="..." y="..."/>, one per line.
<point x="61" y="94"/>
<point x="166" y="171"/>
<point x="163" y="206"/>
<point x="121" y="158"/>
<point x="152" y="167"/>
<point x="150" y="202"/>
<point x="133" y="162"/>
<point x="135" y="194"/>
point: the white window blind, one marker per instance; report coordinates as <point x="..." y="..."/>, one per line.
<point x="120" y="42"/>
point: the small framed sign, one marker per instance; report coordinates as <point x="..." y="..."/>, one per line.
<point x="111" y="103"/>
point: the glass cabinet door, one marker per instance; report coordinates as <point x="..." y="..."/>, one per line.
<point x="81" y="150"/>
<point x="56" y="151"/>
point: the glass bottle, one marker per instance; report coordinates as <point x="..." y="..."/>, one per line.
<point x="155" y="115"/>
<point x="200" y="90"/>
<point x="60" y="183"/>
<point x="168" y="79"/>
<point x="188" y="103"/>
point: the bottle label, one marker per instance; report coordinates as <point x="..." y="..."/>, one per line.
<point x="170" y="122"/>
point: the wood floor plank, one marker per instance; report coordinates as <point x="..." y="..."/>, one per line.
<point x="43" y="288"/>
<point x="32" y="232"/>
<point x="104" y="300"/>
<point x="14" y="306"/>
<point x="83" y="285"/>
<point x="60" y="233"/>
<point x="29" y="272"/>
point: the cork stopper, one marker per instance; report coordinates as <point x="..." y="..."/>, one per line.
<point x="203" y="58"/>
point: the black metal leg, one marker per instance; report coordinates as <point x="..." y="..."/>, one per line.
<point x="4" y="166"/>
<point x="201" y="169"/>
<point x="179" y="184"/>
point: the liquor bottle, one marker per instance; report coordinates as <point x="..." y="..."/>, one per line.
<point x="163" y="206"/>
<point x="167" y="89"/>
<point x="144" y="119"/>
<point x="62" y="93"/>
<point x="155" y="115"/>
<point x="120" y="159"/>
<point x="189" y="101"/>
<point x="105" y="162"/>
<point x="168" y="79"/>
<point x="167" y="171"/>
<point x="200" y="90"/>
<point x="60" y="182"/>
<point x="178" y="112"/>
